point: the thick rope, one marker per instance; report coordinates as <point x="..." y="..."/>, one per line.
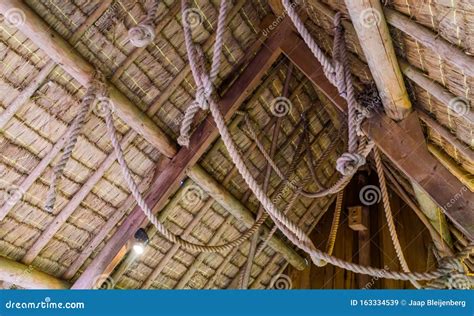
<point x="389" y="215"/>
<point x="339" y="74"/>
<point x="148" y="212"/>
<point x="454" y="272"/>
<point x="204" y="81"/>
<point x="143" y="33"/>
<point x="76" y="128"/>
<point x="340" y="184"/>
<point x="294" y="233"/>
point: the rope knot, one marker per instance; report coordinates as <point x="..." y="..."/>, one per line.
<point x="142" y="35"/>
<point x="201" y="98"/>
<point x="348" y="163"/>
<point x="453" y="275"/>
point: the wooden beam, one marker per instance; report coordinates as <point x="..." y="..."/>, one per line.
<point x="24" y="97"/>
<point x="462" y="175"/>
<point x="430" y="39"/>
<point x="28" y="277"/>
<point x="59" y="50"/>
<point x="380" y="55"/>
<point x="242" y="213"/>
<point x="419" y="32"/>
<point x="25" y="94"/>
<point x="168" y="181"/>
<point x="410" y="155"/>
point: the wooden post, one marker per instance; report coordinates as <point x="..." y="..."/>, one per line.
<point x="374" y="36"/>
<point x="27" y="276"/>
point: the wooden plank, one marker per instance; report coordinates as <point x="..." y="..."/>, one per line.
<point x="410" y="155"/>
<point x="372" y="30"/>
<point x="168" y="181"/>
<point x="59" y="50"/>
<point x="27" y="276"/>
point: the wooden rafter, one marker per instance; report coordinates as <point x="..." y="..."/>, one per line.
<point x="27" y="276"/>
<point x="59" y="50"/>
<point x="23" y="98"/>
<point x="404" y="149"/>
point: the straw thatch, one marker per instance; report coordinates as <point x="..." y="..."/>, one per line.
<point x="28" y="137"/>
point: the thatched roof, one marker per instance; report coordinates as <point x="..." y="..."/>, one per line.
<point x="158" y="81"/>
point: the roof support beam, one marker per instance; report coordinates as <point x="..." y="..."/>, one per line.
<point x="27" y="276"/>
<point x="407" y="151"/>
<point x="42" y="35"/>
<point x="380" y="55"/>
<point x="168" y="181"/>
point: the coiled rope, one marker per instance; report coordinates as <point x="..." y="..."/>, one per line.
<point x="143" y="33"/>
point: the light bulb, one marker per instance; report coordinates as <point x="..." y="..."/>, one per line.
<point x="139" y="249"/>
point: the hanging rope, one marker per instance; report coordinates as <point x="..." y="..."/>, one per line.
<point x="365" y="148"/>
<point x="143" y="33"/>
<point x="77" y="125"/>
<point x="204" y="81"/>
<point x="294" y="233"/>
<point x="389" y="216"/>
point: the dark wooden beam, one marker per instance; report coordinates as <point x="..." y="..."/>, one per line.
<point x="169" y="179"/>
<point x="401" y="142"/>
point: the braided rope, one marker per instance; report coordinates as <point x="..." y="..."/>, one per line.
<point x="143" y="33"/>
<point x="339" y="74"/>
<point x="389" y="215"/>
<point x="204" y="81"/>
<point x="69" y="146"/>
<point x="454" y="273"/>
<point x="148" y="212"/>
<point x="364" y="150"/>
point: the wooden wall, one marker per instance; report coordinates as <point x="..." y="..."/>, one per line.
<point x="414" y="238"/>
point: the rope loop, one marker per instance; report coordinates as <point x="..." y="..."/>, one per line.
<point x="348" y="163"/>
